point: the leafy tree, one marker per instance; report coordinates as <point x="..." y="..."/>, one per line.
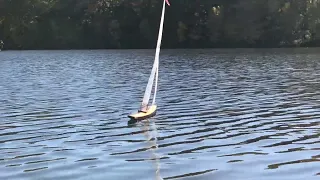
<point x="64" y="24"/>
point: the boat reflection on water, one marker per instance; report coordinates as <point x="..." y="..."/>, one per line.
<point x="149" y="130"/>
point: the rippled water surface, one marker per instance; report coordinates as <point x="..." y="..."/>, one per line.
<point x="223" y="114"/>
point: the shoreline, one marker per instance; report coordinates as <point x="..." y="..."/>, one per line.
<point x="178" y="48"/>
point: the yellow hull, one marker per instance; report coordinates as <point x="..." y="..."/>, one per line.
<point x="144" y="115"/>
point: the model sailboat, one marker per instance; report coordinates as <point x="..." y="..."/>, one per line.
<point x="147" y="110"/>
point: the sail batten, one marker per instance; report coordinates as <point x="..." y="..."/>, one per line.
<point x="155" y="68"/>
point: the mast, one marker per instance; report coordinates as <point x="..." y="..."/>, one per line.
<point x="154" y="71"/>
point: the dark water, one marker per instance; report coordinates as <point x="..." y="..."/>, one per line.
<point x="223" y="114"/>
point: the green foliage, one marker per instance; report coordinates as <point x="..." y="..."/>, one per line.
<point x="64" y="24"/>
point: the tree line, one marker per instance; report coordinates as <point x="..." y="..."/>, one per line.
<point x="94" y="24"/>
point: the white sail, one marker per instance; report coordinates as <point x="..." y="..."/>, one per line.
<point x="154" y="71"/>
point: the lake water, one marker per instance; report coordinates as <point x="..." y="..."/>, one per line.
<point x="223" y="114"/>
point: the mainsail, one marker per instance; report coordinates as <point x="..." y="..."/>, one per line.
<point x="154" y="71"/>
